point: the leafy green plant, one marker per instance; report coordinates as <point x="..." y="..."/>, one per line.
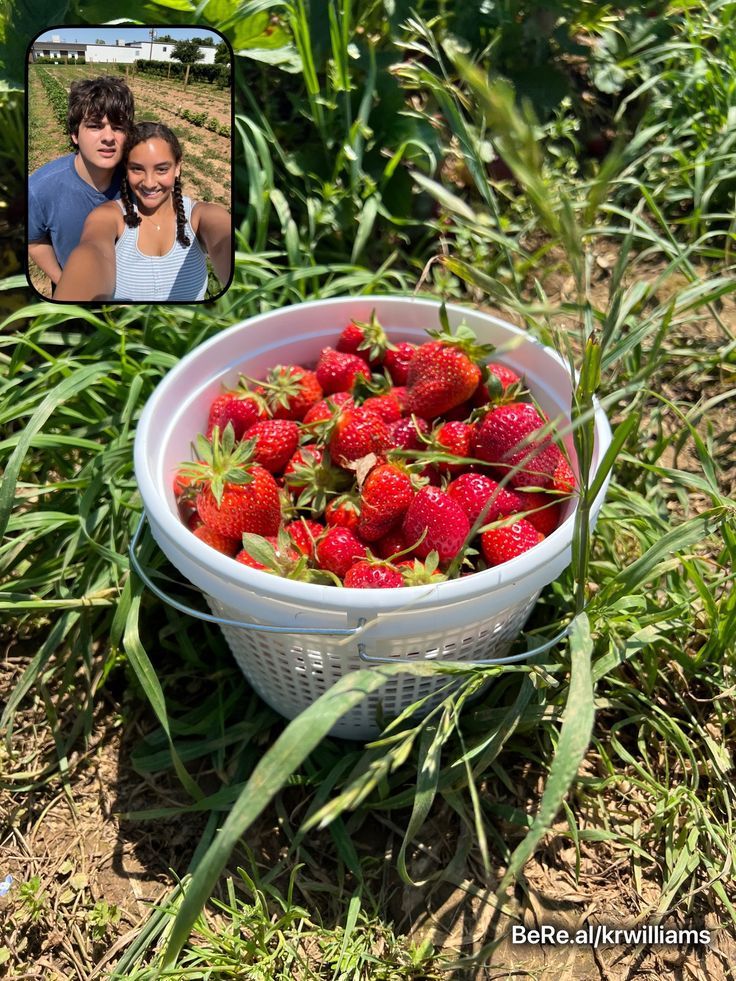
<point x="32" y="899"/>
<point x="56" y="94"/>
<point x="101" y="918"/>
<point x="352" y="180"/>
<point x="691" y="98"/>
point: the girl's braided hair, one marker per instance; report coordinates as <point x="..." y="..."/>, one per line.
<point x="140" y="134"/>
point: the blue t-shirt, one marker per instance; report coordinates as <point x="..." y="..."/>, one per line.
<point x="59" y="202"/>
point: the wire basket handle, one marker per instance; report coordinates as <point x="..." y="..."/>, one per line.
<point x="316" y="631"/>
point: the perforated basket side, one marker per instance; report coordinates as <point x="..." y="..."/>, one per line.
<point x="290" y="672"/>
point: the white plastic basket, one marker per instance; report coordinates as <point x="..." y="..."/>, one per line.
<point x="312" y="635"/>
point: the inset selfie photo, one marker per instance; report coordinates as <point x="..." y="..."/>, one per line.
<point x="129" y="149"/>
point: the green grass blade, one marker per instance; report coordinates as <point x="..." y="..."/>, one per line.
<point x="431" y="742"/>
<point x="75" y="383"/>
<point x="644" y="568"/>
<point x="148" y="679"/>
<point x="573" y="742"/>
<point x="365" y="225"/>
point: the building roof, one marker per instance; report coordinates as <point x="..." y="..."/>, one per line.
<point x="65" y="45"/>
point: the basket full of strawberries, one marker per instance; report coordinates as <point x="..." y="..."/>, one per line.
<point x="374" y="472"/>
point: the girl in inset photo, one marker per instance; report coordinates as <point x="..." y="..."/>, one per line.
<point x="150" y="246"/>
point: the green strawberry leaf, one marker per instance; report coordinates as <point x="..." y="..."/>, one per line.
<point x="261" y="550"/>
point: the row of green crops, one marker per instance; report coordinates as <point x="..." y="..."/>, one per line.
<point x="202" y="119"/>
<point x="56" y="94"/>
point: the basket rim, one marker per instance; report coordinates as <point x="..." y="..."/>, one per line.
<point x="334" y="599"/>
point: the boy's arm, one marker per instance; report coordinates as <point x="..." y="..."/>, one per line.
<point x="42" y="253"/>
<point x="89" y="273"/>
<point x="214" y="229"/>
<point x="40" y="248"/>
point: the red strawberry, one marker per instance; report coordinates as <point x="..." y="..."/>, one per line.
<point x="367" y="340"/>
<point x="253" y="507"/>
<point x="240" y="410"/>
<point x="563" y="479"/>
<point x="280" y="556"/>
<point x="441" y="520"/>
<point x="236" y="495"/>
<point x="276" y="442"/>
<point x="454" y="438"/>
<point x="338" y="549"/>
<point x="304" y="533"/>
<point x="443" y="373"/>
<point x="373" y="575"/>
<point x="290" y="391"/>
<point x="356" y="433"/>
<point x="183" y="486"/>
<point x="342" y="512"/>
<point x="405" y="434"/>
<point x="391" y="544"/>
<point x="397" y="360"/>
<point x="540" y="510"/>
<point x="386" y="406"/>
<point x="499" y="435"/>
<point x="505" y="375"/>
<point x="304" y="460"/>
<point x="350" y="339"/>
<point x="228" y="546"/>
<point x="500" y="380"/>
<point x="507" y="541"/>
<point x="310" y="476"/>
<point x="325" y="409"/>
<point x="187" y="508"/>
<point x="473" y="491"/>
<point x="384" y="498"/>
<point x="337" y="372"/>
<point x="400" y="393"/>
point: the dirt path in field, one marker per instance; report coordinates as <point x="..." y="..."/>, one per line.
<point x="206" y="163"/>
<point x="97" y="874"/>
<point x="200" y="99"/>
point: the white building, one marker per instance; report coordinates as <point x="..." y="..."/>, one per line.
<point x="161" y="51"/>
<point x="122" y="52"/>
<point x="112" y="54"/>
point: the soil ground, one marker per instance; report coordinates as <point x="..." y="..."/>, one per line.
<point x="74" y="839"/>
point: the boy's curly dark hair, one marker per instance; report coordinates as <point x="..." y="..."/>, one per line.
<point x="91" y="99"/>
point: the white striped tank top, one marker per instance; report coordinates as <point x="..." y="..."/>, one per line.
<point x="180" y="274"/>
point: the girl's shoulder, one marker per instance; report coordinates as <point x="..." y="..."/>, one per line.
<point x="109" y="208"/>
<point x="105" y="218"/>
<point x="207" y="211"/>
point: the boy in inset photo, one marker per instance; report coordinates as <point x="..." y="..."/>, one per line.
<point x="62" y="193"/>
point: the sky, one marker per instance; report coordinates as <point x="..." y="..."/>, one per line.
<point x="112" y="34"/>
